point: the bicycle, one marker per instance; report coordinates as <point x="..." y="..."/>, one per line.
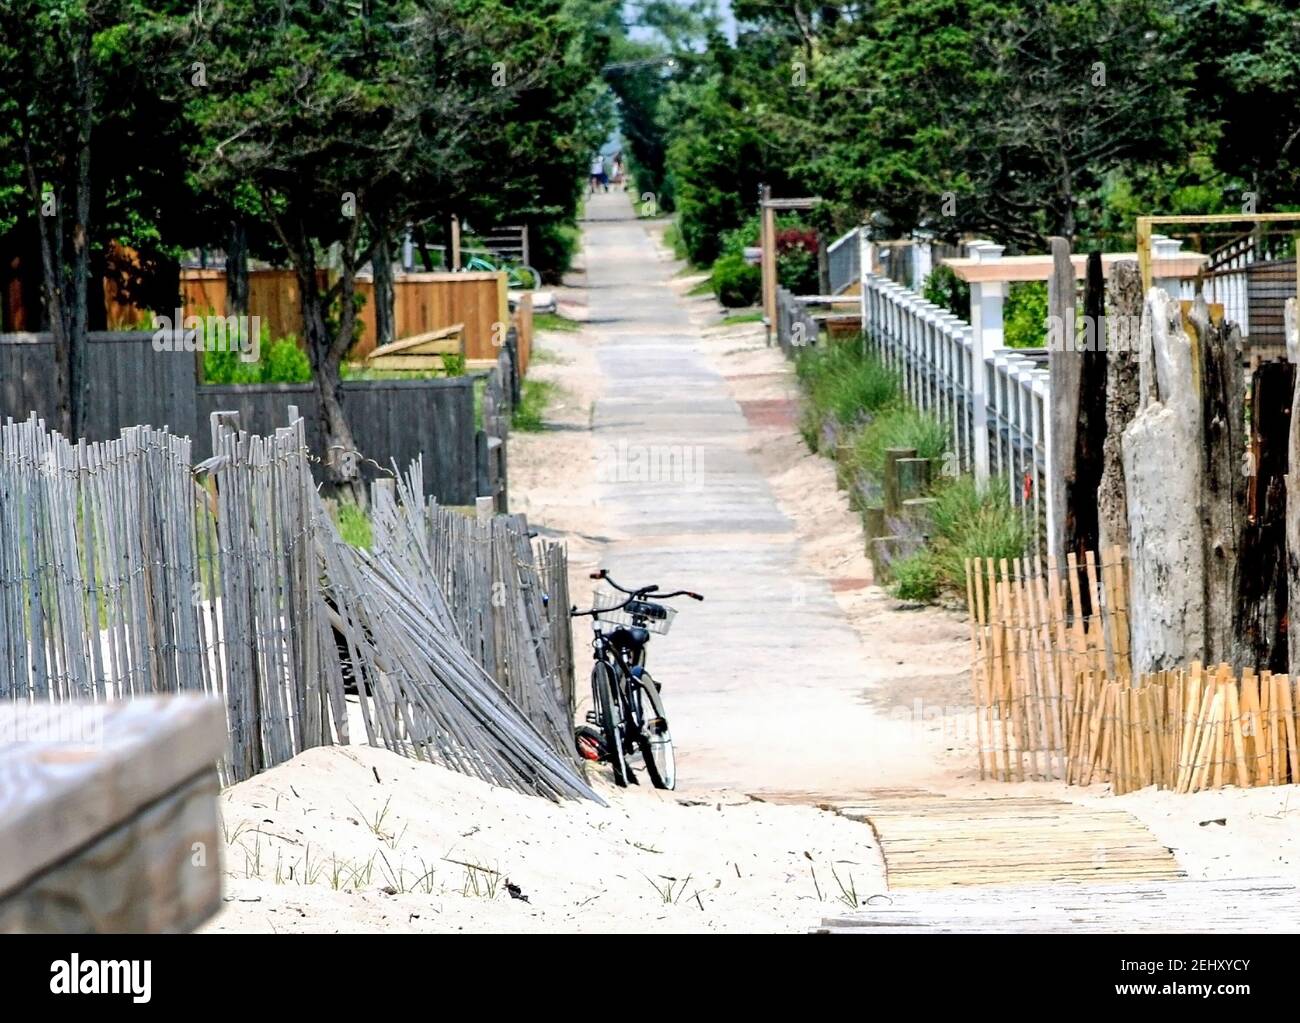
<point x="628" y="704"/>
<point x="519" y="277"/>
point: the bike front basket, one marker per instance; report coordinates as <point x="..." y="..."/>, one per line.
<point x="639" y="613"/>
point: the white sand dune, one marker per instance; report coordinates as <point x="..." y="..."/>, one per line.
<point x="348" y="839"/>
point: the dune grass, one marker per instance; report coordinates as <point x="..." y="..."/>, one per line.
<point x="968" y="521"/>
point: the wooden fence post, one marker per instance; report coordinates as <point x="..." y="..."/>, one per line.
<point x="1123" y="345"/>
<point x="893" y="496"/>
<point x="1066" y="371"/>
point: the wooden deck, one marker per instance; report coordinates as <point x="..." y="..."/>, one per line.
<point x="1170" y="907"/>
<point x="934" y="841"/>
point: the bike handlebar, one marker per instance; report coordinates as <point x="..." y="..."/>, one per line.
<point x="644" y="591"/>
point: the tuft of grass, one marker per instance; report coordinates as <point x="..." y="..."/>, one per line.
<point x="844" y="381"/>
<point x="916" y="577"/>
<point x="967" y="521"/>
<point x="554" y="321"/>
<point x="673" y="239"/>
<point x="756" y="316"/>
<point x="704" y="287"/>
<point x="354" y="525"/>
<point x="900" y="427"/>
<point x="480" y="881"/>
<point x="671" y="890"/>
<point x="529" y="415"/>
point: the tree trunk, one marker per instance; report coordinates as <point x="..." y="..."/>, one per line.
<point x="382" y="262"/>
<point x="1223" y="483"/>
<point x="96" y="306"/>
<point x="326" y="350"/>
<point x="1123" y="339"/>
<point x="1081" y="511"/>
<point x="77" y="382"/>
<point x="237" y="268"/>
<point x="1162" y="478"/>
<point x="1260" y="607"/>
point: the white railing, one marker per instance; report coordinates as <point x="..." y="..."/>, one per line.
<point x="995" y="402"/>
<point x="843" y="259"/>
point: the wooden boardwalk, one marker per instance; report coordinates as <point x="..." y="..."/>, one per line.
<point x="934" y="841"/>
<point x="1166" y="907"/>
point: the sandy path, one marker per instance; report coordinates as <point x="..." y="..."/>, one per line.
<point x="767" y="681"/>
<point x="807" y="713"/>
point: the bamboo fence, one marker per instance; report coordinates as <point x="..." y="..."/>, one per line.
<point x="1055" y="697"/>
<point x="1035" y="628"/>
<point x="1187" y="730"/>
<point x="124" y="570"/>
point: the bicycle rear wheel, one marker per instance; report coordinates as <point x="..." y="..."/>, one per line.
<point x="610" y="713"/>
<point x="655" y="740"/>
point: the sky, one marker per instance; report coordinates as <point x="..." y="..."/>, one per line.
<point x="724" y="8"/>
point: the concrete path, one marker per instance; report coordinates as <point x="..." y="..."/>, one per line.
<point x="762" y="682"/>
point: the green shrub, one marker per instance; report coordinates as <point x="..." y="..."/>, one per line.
<point x="899" y="427"/>
<point x="529" y="414"/>
<point x="279" y="362"/>
<point x="673" y="239"/>
<point x="945" y="289"/>
<point x="1024" y="315"/>
<point x="552" y="245"/>
<point x="354" y="525"/>
<point x="916" y="577"/>
<point x="285" y="363"/>
<point x="973" y="522"/>
<point x="735" y="282"/>
<point x="844" y="381"/>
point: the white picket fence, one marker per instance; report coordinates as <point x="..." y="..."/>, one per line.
<point x="996" y="402"/>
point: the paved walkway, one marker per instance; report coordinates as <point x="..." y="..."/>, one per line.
<point x="762" y="681"/>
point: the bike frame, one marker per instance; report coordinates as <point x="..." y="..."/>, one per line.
<point x="627" y="687"/>
<point x="628" y="690"/>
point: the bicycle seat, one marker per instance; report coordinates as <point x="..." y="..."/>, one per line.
<point x="629" y="639"/>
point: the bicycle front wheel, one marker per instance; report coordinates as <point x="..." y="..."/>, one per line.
<point x="655" y="740"/>
<point x="610" y="713"/>
<point x="524" y="278"/>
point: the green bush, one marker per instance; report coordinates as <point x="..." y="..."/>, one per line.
<point x="551" y="248"/>
<point x="1024" y="315"/>
<point x="354" y="525"/>
<point x="735" y="282"/>
<point x="844" y="381"/>
<point x="530" y="414"/>
<point x="279" y="362"/>
<point x="945" y="289"/>
<point x="796" y="269"/>
<point x="973" y="522"/>
<point x="899" y="427"/>
<point x="916" y="577"/>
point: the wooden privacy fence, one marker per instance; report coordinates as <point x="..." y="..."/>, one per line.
<point x="131" y="382"/>
<point x="1035" y="628"/>
<point x="1186" y="730"/>
<point x="125" y="571"/>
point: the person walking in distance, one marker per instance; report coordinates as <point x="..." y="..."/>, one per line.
<point x="598" y="179"/>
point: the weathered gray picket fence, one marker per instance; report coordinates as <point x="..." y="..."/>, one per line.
<point x="124" y="570"/>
